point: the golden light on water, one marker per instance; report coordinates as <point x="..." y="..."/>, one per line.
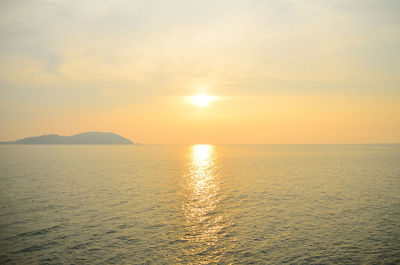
<point x="202" y="100"/>
<point x="202" y="156"/>
<point x="203" y="221"/>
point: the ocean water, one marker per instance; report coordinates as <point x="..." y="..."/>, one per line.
<point x="202" y="204"/>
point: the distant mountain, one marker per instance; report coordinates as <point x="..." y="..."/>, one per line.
<point x="82" y="138"/>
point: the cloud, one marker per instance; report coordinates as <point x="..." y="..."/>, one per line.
<point x="135" y="49"/>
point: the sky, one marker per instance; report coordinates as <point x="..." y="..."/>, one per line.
<point x="282" y="71"/>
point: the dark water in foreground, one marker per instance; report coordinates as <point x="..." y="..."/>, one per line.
<point x="201" y="204"/>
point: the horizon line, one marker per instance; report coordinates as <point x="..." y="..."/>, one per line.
<point x="169" y="144"/>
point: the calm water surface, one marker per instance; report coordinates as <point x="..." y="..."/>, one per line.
<point x="260" y="204"/>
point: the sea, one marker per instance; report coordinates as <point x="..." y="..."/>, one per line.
<point x="200" y="204"/>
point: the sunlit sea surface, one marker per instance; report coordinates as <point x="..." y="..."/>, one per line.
<point x="203" y="204"/>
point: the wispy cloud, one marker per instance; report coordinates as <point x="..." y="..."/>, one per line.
<point x="114" y="53"/>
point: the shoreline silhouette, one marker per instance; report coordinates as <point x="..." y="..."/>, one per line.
<point x="81" y="138"/>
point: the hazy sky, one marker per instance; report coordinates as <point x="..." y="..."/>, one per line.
<point x="285" y="71"/>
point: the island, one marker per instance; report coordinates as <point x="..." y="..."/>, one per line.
<point x="82" y="138"/>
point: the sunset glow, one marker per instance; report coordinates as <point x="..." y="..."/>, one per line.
<point x="202" y="100"/>
<point x="216" y="72"/>
<point x="200" y="132"/>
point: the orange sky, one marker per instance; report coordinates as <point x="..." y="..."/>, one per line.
<point x="283" y="71"/>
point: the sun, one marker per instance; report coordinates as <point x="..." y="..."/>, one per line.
<point x="202" y="100"/>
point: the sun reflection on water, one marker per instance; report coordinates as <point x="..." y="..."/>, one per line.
<point x="204" y="223"/>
